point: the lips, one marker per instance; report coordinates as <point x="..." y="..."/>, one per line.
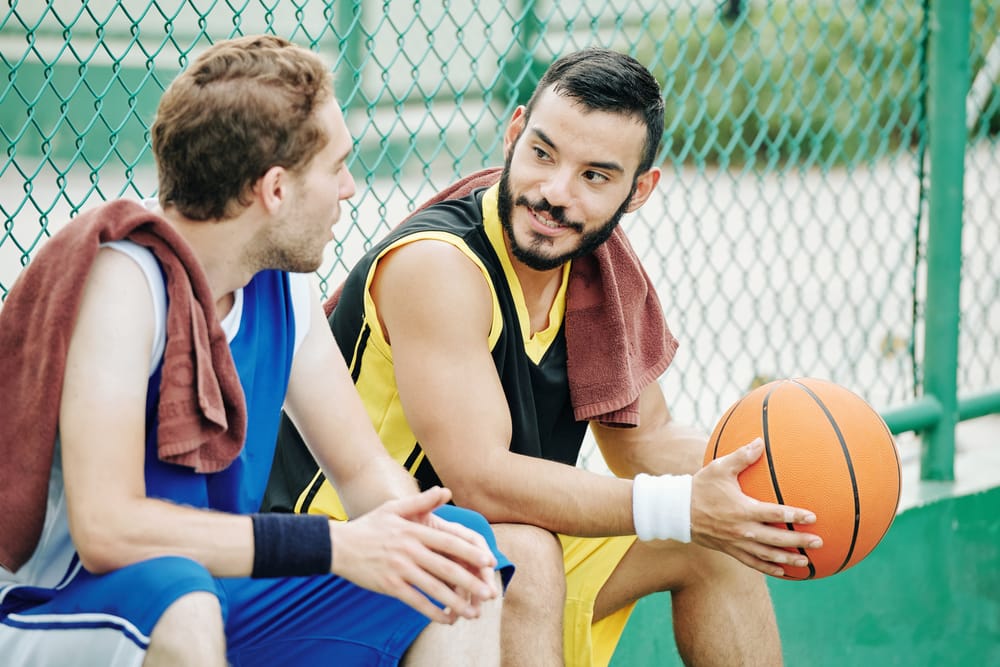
<point x="544" y="224"/>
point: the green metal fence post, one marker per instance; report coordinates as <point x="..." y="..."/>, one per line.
<point x="948" y="85"/>
<point x="521" y="68"/>
<point x="347" y="23"/>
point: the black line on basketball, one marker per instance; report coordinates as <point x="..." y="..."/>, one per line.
<point x="722" y="429"/>
<point x="774" y="475"/>
<point x="767" y="449"/>
<point x="850" y="470"/>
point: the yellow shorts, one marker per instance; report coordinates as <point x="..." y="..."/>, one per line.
<point x="589" y="563"/>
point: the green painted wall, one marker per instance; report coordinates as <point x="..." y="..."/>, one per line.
<point x="928" y="595"/>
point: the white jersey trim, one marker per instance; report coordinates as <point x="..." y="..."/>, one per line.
<point x="298" y="284"/>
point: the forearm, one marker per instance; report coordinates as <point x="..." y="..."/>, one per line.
<point x="379" y="479"/>
<point x="510" y="488"/>
<point x="574" y="501"/>
<point x="658" y="445"/>
<point x="146" y="528"/>
<point x="669" y="447"/>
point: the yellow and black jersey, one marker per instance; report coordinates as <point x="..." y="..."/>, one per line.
<point x="531" y="368"/>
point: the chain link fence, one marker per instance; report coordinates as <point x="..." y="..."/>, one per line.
<point x="787" y="237"/>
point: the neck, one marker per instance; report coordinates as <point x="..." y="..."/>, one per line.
<point x="535" y="284"/>
<point x="213" y="243"/>
<point x="539" y="289"/>
<point x="538" y="285"/>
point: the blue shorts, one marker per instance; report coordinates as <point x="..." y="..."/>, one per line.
<point x="108" y="619"/>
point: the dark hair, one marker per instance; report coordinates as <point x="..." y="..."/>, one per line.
<point x="243" y="106"/>
<point x="605" y="80"/>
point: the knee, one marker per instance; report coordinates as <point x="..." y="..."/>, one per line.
<point x="190" y="631"/>
<point x="704" y="567"/>
<point x="538" y="556"/>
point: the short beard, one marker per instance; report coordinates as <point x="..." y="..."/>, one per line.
<point x="281" y="259"/>
<point x="531" y="255"/>
<point x="282" y="252"/>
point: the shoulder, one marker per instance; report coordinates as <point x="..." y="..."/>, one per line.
<point x="125" y="260"/>
<point x="124" y="267"/>
<point x="459" y="217"/>
<point x="114" y="285"/>
<point x="132" y="260"/>
<point x="438" y="264"/>
<point x="458" y="210"/>
<point x="435" y="282"/>
<point x="117" y="312"/>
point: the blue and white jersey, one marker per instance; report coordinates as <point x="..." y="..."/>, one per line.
<point x="271" y="313"/>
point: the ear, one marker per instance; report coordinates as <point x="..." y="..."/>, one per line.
<point x="272" y="189"/>
<point x="514" y="128"/>
<point x="644" y="186"/>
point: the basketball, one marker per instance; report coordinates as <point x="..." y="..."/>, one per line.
<point x="826" y="450"/>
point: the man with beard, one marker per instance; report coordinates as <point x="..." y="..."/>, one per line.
<point x="457" y="330"/>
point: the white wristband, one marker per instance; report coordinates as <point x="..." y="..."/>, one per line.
<point x="661" y="507"/>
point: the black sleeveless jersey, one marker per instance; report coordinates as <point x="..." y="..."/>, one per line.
<point x="533" y="375"/>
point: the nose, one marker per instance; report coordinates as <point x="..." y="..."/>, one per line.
<point x="558" y="187"/>
<point x="346" y="184"/>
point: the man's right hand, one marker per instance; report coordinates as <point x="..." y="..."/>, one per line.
<point x="397" y="551"/>
<point x="726" y="519"/>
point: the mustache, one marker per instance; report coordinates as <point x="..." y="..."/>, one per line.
<point x="558" y="213"/>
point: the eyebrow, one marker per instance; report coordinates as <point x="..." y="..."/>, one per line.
<point x="607" y="166"/>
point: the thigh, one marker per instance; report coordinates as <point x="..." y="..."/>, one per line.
<point x="651" y="567"/>
<point x="96" y="619"/>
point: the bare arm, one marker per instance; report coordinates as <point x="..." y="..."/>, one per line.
<point x="328" y="413"/>
<point x="393" y="544"/>
<point x="102" y="428"/>
<point x="659" y="444"/>
<point x="395" y="549"/>
<point x="436" y="309"/>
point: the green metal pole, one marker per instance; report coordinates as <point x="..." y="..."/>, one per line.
<point x="979" y="405"/>
<point x="520" y="67"/>
<point x="925" y="412"/>
<point x="949" y="82"/>
<point x="347" y="24"/>
<point x="919" y="415"/>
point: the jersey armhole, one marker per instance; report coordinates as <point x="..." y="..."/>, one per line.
<point x="146" y="261"/>
<point x="300" y="288"/>
<point x="371" y="312"/>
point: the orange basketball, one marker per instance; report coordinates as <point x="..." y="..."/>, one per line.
<point x="825" y="450"/>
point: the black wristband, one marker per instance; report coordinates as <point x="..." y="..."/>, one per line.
<point x="291" y="545"/>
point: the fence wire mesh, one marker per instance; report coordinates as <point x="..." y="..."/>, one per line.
<point x="786" y="237"/>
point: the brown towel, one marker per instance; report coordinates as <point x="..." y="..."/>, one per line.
<point x="617" y="340"/>
<point x="202" y="424"/>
